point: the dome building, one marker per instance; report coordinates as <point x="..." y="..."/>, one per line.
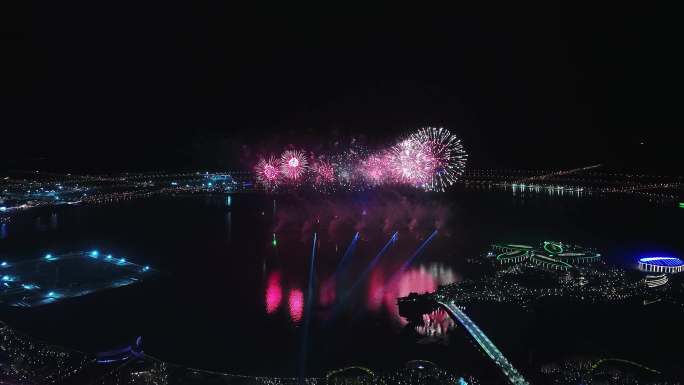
<point x="670" y="265"/>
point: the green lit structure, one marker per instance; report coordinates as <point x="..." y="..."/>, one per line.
<point x="549" y="254"/>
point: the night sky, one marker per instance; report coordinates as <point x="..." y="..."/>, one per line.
<point x="98" y="86"/>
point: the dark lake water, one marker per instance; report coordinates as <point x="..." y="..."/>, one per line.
<point x="229" y="300"/>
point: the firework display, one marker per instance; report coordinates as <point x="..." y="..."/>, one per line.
<point x="324" y="173"/>
<point x="268" y="172"/>
<point x="412" y="162"/>
<point x="293" y="165"/>
<point x="346" y="164"/>
<point x="447" y="158"/>
<point x="431" y="159"/>
<point x="375" y="169"/>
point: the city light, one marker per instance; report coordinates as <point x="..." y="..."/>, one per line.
<point x="3" y="264"/>
<point x="94" y="253"/>
<point x="49" y="257"/>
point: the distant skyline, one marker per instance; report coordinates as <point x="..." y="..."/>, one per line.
<point x="173" y="85"/>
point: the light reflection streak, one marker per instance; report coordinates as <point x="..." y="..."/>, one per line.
<point x="417" y="280"/>
<point x="437" y="323"/>
<point x="274" y="293"/>
<point x="381" y="281"/>
<point x="380" y="295"/>
<point x="328" y="292"/>
<point x="376" y="289"/>
<point x="296" y="304"/>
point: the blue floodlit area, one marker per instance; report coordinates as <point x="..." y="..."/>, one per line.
<point x="662" y="261"/>
<point x="661" y="264"/>
<point x="54" y="277"/>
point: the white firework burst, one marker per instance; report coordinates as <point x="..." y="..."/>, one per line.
<point x="446" y="153"/>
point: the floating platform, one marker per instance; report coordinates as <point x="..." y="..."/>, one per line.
<point x="53" y="278"/>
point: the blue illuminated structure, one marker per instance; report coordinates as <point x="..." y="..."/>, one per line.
<point x="65" y="276"/>
<point x="661" y="264"/>
<point x="220" y="177"/>
<point x="3" y="264"/>
<point x="131" y="351"/>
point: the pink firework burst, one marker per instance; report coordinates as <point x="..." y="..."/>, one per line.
<point x="293" y="164"/>
<point x="267" y="171"/>
<point x="325" y="173"/>
<point x="412" y="162"/>
<point x="375" y="169"/>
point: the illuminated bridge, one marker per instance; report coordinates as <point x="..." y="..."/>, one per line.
<point x="488" y="346"/>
